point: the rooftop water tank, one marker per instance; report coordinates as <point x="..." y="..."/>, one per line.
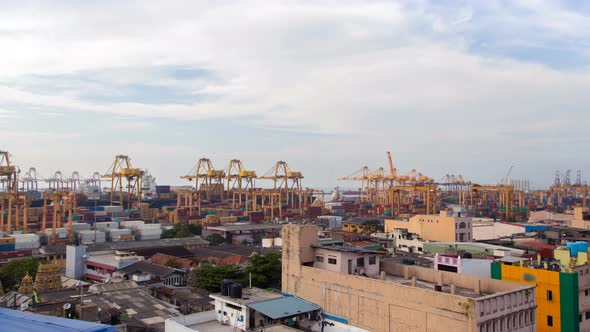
<point x="235" y="291"/>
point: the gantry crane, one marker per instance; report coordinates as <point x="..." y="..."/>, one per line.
<point x="505" y="194"/>
<point x="94" y="181"/>
<point x="207" y="179"/>
<point x="8" y="173"/>
<point x="63" y="204"/>
<point x="73" y="182"/>
<point x="286" y="190"/>
<point x="12" y="204"/>
<point x="239" y="184"/>
<point x="30" y="182"/>
<point x="363" y="175"/>
<point x="122" y="171"/>
<point x="56" y="182"/>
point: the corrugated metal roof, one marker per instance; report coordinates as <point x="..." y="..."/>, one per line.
<point x="283" y="307"/>
<point x="18" y="321"/>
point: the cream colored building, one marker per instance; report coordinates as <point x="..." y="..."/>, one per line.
<point x="581" y="219"/>
<point x="444" y="227"/>
<point x="401" y="297"/>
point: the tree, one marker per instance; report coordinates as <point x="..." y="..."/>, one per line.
<point x="209" y="277"/>
<point x="215" y="239"/>
<point x="12" y="272"/>
<point x="174" y="263"/>
<point x="372" y="226"/>
<point x="182" y="231"/>
<point x="266" y="270"/>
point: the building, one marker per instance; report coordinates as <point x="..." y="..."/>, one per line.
<point x="252" y="309"/>
<point x="471" y="266"/>
<point x="490" y="230"/>
<point x="581" y="218"/>
<point x="101" y="266"/>
<point x="563" y="287"/>
<point x="472" y="249"/>
<point x="399" y="297"/>
<point x="239" y="233"/>
<point x="538" y="216"/>
<point x="446" y="226"/>
<point x="145" y="272"/>
<point x="406" y="241"/>
<point x="558" y="307"/>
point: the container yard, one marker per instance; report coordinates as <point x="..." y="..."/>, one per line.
<point x="120" y="210"/>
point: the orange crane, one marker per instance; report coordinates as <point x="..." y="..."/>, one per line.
<point x="122" y="171"/>
<point x="207" y="179"/>
<point x="286" y="187"/>
<point x="239" y="182"/>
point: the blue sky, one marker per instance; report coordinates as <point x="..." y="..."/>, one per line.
<point x="449" y="87"/>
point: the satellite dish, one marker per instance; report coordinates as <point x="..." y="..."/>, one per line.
<point x="67" y="306"/>
<point x="24" y="306"/>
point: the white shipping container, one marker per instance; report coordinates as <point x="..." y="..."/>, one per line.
<point x="107" y="225"/>
<point x="119" y="231"/>
<point x="149" y="237"/>
<point x="150" y="226"/>
<point x="79" y="226"/>
<point x="131" y="223"/>
<point x="150" y="231"/>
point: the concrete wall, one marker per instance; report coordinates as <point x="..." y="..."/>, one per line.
<point x="537" y="216"/>
<point x="494" y="230"/>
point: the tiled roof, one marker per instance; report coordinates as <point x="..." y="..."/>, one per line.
<point x="145" y="267"/>
<point x="163" y="259"/>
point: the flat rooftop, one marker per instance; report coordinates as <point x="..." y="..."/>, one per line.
<point x="350" y="249"/>
<point x="251" y="227"/>
<point x="461" y="291"/>
<point x="250" y="295"/>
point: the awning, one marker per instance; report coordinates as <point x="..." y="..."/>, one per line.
<point x="283" y="307"/>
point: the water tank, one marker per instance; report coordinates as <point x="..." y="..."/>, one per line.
<point x="235" y="291"/>
<point x="225" y="285"/>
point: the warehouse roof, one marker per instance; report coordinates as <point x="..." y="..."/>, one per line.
<point x="145" y="267"/>
<point x="17" y="321"/>
<point x="283" y="307"/>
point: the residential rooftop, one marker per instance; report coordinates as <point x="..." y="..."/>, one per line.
<point x="249" y="295"/>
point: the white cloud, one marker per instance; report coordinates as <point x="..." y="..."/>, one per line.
<point x="396" y="74"/>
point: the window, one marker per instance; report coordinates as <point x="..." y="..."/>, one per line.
<point x="586" y="292"/>
<point x="587" y="315"/>
<point x="549" y="320"/>
<point x="549" y="295"/>
<point x="372" y="260"/>
<point x="419" y="249"/>
<point x="319" y="259"/>
<point x="360" y="262"/>
<point x="332" y="261"/>
<point x="462" y="225"/>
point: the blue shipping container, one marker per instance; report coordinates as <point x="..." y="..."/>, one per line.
<point x="7" y="247"/>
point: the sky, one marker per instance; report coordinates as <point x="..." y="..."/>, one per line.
<point x="449" y="87"/>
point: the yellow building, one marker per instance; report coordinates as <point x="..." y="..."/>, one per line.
<point x="443" y="227"/>
<point x="556" y="295"/>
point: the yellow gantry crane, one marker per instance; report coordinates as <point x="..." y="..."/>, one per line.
<point x="207" y="179"/>
<point x="13" y="205"/>
<point x="64" y="204"/>
<point x="286" y="190"/>
<point x="239" y="184"/>
<point x="121" y="172"/>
